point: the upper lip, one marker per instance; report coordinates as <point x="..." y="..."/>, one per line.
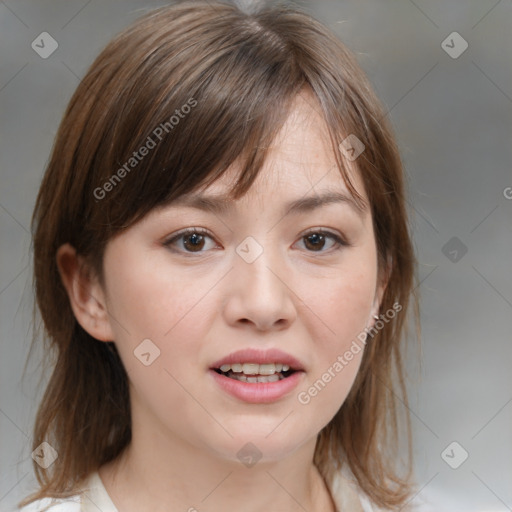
<point x="260" y="356"/>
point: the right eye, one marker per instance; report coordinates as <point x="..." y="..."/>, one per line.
<point x="193" y="241"/>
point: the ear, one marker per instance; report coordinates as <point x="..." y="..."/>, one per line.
<point x="85" y="293"/>
<point x="379" y="292"/>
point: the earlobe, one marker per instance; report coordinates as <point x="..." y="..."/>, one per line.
<point x="374" y="314"/>
<point x="85" y="293"/>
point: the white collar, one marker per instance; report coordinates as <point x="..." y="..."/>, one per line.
<point x="344" y="491"/>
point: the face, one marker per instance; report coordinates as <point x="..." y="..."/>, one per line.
<point x="286" y="286"/>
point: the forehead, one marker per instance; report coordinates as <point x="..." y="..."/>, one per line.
<point x="299" y="161"/>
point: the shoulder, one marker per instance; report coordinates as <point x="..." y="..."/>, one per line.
<point x="71" y="504"/>
<point x="91" y="496"/>
<point x="350" y="497"/>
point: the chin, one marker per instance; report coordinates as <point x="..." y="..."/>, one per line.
<point x="259" y="445"/>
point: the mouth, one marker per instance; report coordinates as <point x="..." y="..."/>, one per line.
<point x="256" y="373"/>
<point x="258" y="376"/>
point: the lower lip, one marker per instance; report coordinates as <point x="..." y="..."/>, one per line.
<point x="258" y="392"/>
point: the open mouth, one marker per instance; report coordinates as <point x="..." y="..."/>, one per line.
<point x="254" y="373"/>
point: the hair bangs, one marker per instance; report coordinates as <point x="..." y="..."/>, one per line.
<point x="223" y="111"/>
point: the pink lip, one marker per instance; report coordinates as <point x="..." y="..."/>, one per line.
<point x="250" y="355"/>
<point x="258" y="392"/>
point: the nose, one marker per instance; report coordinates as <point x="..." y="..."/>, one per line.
<point x="260" y="293"/>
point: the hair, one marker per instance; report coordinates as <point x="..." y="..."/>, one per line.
<point x="238" y="72"/>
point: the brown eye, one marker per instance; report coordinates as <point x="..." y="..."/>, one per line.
<point x="193" y="241"/>
<point x="315" y="241"/>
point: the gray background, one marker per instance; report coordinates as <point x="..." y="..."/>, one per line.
<point x="453" y="119"/>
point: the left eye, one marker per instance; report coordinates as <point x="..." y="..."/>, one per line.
<point x="194" y="240"/>
<point x="316" y="239"/>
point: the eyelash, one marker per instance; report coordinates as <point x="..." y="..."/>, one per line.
<point x="339" y="241"/>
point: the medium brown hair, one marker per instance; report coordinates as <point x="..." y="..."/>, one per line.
<point x="242" y="71"/>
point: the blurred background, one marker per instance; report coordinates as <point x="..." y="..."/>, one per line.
<point x="443" y="69"/>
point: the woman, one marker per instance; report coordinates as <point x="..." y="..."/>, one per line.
<point x="223" y="267"/>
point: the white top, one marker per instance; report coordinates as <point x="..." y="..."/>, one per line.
<point x="94" y="497"/>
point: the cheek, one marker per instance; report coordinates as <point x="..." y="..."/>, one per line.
<point x="167" y="307"/>
<point x="341" y="305"/>
<point x="149" y="299"/>
<point x="164" y="307"/>
<point x="340" y="312"/>
<point x="338" y="355"/>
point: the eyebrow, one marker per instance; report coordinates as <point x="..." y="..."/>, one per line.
<point x="221" y="203"/>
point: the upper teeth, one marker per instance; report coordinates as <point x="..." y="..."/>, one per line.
<point x="255" y="369"/>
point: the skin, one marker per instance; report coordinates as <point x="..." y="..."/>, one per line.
<point x="305" y="299"/>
